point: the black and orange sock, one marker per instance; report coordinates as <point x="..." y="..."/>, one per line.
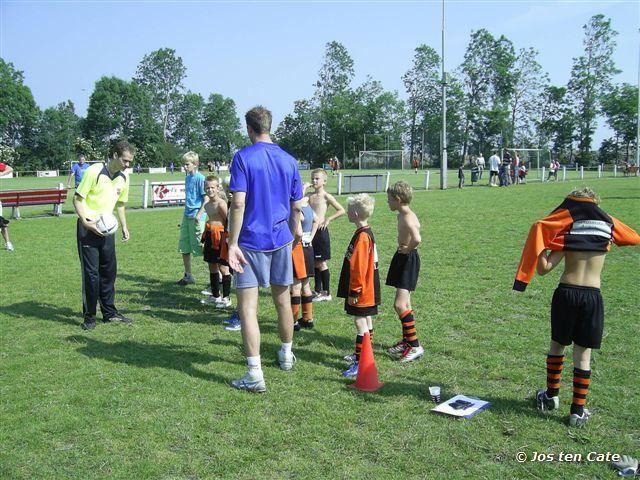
<point x="581" y="381"/>
<point x="214" y="278"/>
<point x="318" y="280"/>
<point x="326" y="278"/>
<point x="409" y="333"/>
<point x="295" y="307"/>
<point x="555" y="364"/>
<point x="359" y="340"/>
<point x="307" y="308"/>
<point x="226" y="285"/>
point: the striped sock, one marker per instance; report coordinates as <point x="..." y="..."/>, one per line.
<point x="359" y="340"/>
<point x="581" y="381"/>
<point x="555" y="364"/>
<point x="295" y="307"/>
<point x="371" y="336"/>
<point x="307" y="308"/>
<point x="409" y="332"/>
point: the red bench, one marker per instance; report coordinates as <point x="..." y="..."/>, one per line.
<point x="19" y="198"/>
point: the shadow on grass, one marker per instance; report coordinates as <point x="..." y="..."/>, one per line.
<point x="171" y="357"/>
<point x="43" y="311"/>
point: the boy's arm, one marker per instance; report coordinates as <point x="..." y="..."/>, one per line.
<point x="201" y="211"/>
<point x="358" y="268"/>
<point x="624" y="235"/>
<point x="314" y="224"/>
<point x="547" y="261"/>
<point x="339" y="210"/>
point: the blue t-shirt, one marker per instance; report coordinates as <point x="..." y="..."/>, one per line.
<point x="271" y="180"/>
<point x="194" y="194"/>
<point x="78" y="172"/>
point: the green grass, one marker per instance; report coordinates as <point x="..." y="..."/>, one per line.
<point x="152" y="400"/>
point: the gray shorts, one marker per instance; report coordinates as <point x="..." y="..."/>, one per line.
<point x="266" y="268"/>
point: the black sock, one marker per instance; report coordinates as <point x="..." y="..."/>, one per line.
<point x="325" y="281"/>
<point x="318" y="279"/>
<point x="215" y="283"/>
<point x="226" y="285"/>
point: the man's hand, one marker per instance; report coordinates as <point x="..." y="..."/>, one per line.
<point x="91" y="226"/>
<point x="236" y="258"/>
<point x="125" y="234"/>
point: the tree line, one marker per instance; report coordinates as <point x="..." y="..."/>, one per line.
<point x="498" y="97"/>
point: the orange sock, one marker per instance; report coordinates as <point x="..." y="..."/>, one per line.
<point x="295" y="307"/>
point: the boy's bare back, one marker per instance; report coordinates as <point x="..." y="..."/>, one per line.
<point x="581" y="268"/>
<point x="408" y="230"/>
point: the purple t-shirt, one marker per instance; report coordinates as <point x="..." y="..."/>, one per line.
<point x="271" y="179"/>
<point x="78" y="171"/>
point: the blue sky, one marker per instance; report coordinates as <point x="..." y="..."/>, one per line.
<point x="269" y="52"/>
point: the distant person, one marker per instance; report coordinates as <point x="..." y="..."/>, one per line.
<point x="554" y="165"/>
<point x="404" y="270"/>
<point x="475" y="171"/>
<point x="265" y="213"/>
<point x="460" y="176"/>
<point x="191" y="226"/>
<point x="414" y="163"/>
<point x="359" y="278"/>
<point x="172" y="167"/>
<point x="138" y="168"/>
<point x="77" y="171"/>
<point x="210" y="167"/>
<point x="481" y="164"/>
<point x="494" y="169"/>
<point x="581" y="233"/>
<point x="334" y="165"/>
<point x="4" y="223"/>
<point x="505" y="170"/>
<point x="522" y="172"/>
<point x="515" y="167"/>
<point x="320" y="200"/>
<point x="103" y="187"/>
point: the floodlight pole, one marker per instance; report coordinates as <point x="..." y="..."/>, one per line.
<point x="443" y="163"/>
<point x="638" y="114"/>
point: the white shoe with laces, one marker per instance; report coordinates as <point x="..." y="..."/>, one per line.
<point x="286" y="360"/>
<point x="9" y="246"/>
<point x="210" y="300"/>
<point x="250" y="383"/>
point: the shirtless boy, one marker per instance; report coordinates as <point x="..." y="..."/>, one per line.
<point x="319" y="201"/>
<point x="404" y="270"/>
<point x="581" y="233"/>
<point x="215" y="243"/>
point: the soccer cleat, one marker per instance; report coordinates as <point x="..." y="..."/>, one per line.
<point x="296" y="326"/>
<point x="250" y="384"/>
<point x="206" y="291"/>
<point x="306" y="323"/>
<point x="9" y="246"/>
<point x="352" y="371"/>
<point x="118" y="317"/>
<point x="411" y="353"/>
<point x="234" y="316"/>
<point x="223" y="302"/>
<point x="186" y="280"/>
<point x="286" y="360"/>
<point x="88" y="325"/>
<point x="326" y="297"/>
<point x="398" y="348"/>
<point x="544" y="403"/>
<point x="351" y="358"/>
<point x="317" y="297"/>
<point x="210" y="300"/>
<point x="576" y="420"/>
<point x="233" y="325"/>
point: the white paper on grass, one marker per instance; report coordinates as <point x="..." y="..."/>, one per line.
<point x="467" y="412"/>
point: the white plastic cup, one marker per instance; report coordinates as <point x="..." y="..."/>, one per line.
<point x="435" y="393"/>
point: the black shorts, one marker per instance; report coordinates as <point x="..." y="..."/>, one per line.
<point x="213" y="255"/>
<point x="359" y="311"/>
<point x="577" y="315"/>
<point x="493" y="173"/>
<point x="308" y="259"/>
<point x="404" y="270"/>
<point x="321" y="245"/>
<point x="3" y="221"/>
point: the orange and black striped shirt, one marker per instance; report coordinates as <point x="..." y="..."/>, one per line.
<point x="577" y="224"/>
<point x="359" y="276"/>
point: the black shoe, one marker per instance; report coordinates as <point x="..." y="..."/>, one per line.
<point x="88" y="325"/>
<point x="306" y="324"/>
<point x="118" y="317"/>
<point x="296" y="326"/>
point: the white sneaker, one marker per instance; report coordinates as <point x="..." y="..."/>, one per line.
<point x="398" y="348"/>
<point x="411" y="353"/>
<point x="224" y="302"/>
<point x="206" y="291"/>
<point x="9" y="246"/>
<point x="318" y="297"/>
<point x="351" y="358"/>
<point x="250" y="384"/>
<point x="326" y="297"/>
<point x="210" y="300"/>
<point x="576" y="420"/>
<point x="286" y="360"/>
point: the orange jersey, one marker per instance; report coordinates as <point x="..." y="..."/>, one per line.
<point x="577" y="224"/>
<point x="359" y="276"/>
<point x="216" y="238"/>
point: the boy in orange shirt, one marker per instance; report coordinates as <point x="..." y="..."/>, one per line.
<point x="359" y="279"/>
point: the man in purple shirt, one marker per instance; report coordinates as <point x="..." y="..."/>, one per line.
<point x="77" y="170"/>
<point x="264" y="216"/>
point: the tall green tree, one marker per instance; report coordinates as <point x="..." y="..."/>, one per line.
<point x="57" y="131"/>
<point x="620" y="107"/>
<point x="18" y="110"/>
<point x="590" y="80"/>
<point x="160" y="74"/>
<point x="556" y="125"/>
<point x="189" y="130"/>
<point x="221" y="128"/>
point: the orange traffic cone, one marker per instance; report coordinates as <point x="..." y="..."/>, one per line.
<point x="367" y="379"/>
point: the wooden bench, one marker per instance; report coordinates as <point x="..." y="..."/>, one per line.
<point x="19" y="198"/>
<point x="630" y="170"/>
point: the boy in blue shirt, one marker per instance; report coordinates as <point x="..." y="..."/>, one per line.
<point x="191" y="226"/>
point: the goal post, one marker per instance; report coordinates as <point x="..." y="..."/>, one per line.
<point x="383" y="160"/>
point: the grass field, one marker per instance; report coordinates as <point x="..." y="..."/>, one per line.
<point x="152" y="401"/>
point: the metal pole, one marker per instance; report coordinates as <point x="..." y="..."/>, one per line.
<point x="443" y="164"/>
<point x="638" y="115"/>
